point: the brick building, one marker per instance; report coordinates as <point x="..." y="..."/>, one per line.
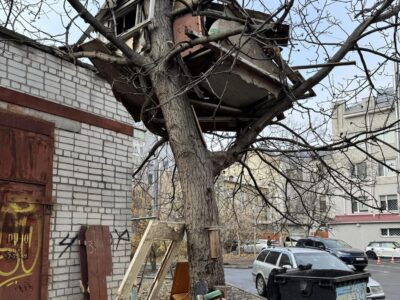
<point x="65" y="161"/>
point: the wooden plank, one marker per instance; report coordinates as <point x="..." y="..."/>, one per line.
<point x="214" y="243"/>
<point x="165" y="231"/>
<point x="138" y="259"/>
<point x="83" y="262"/>
<point x="180" y="283"/>
<point x="97" y="286"/>
<point x="107" y="250"/>
<point x="170" y="254"/>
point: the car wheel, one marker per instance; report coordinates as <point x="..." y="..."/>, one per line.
<point x="260" y="286"/>
<point x="360" y="268"/>
<point x="371" y="255"/>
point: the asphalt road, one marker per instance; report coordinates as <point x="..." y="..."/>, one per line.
<point x="387" y="274"/>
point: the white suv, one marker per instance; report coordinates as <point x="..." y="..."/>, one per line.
<point x="383" y="249"/>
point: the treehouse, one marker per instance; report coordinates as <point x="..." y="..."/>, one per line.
<point x="237" y="79"/>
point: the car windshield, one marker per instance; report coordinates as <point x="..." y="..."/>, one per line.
<point x="319" y="261"/>
<point x="396" y="244"/>
<point x="336" y="244"/>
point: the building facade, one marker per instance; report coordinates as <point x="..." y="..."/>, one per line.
<point x="65" y="162"/>
<point x="371" y="162"/>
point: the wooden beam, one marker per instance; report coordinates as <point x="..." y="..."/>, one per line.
<point x="165" y="231"/>
<point x="136" y="263"/>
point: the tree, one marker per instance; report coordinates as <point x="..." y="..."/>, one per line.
<point x="324" y="41"/>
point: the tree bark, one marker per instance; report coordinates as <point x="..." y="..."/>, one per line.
<point x="191" y="156"/>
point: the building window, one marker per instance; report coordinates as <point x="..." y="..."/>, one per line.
<point x="389" y="202"/>
<point x="322" y="205"/>
<point x="383" y="170"/>
<point x="359" y="170"/>
<point x="150" y="178"/>
<point x="294" y="174"/>
<point x="388" y="137"/>
<point x="390" y="232"/>
<point x="358" y="205"/>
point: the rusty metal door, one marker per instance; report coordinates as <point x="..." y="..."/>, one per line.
<point x="26" y="155"/>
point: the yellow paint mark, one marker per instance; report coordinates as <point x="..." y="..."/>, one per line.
<point x="16" y="264"/>
<point x="39" y="243"/>
<point x="11" y="283"/>
<point x="14" y="278"/>
<point x="19" y="214"/>
<point x="16" y="208"/>
<point x="30" y="236"/>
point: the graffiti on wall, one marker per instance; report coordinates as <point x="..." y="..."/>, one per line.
<point x="20" y="241"/>
<point x="115" y="240"/>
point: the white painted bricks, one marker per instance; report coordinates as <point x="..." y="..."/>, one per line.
<point x="92" y="166"/>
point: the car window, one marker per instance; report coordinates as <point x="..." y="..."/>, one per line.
<point x="396" y="244"/>
<point x="262" y="255"/>
<point x="284" y="260"/>
<point x="272" y="258"/>
<point x="300" y="243"/>
<point x="374" y="244"/>
<point x="320" y="260"/>
<point x="336" y="244"/>
<point x="319" y="245"/>
<point x="309" y="243"/>
<point x="388" y="245"/>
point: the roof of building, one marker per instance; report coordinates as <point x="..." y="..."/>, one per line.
<point x="7" y="34"/>
<point x="367" y="218"/>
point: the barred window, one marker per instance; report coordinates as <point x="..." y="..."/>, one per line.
<point x="389" y="202"/>
<point x="390" y="232"/>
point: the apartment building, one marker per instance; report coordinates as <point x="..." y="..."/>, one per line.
<point x="372" y="212"/>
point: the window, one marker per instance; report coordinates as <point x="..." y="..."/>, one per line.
<point x="272" y="258"/>
<point x="284" y="261"/>
<point x="322" y="205"/>
<point x="359" y="170"/>
<point x="388" y="137"/>
<point x="294" y="174"/>
<point x="150" y="178"/>
<point x="389" y="202"/>
<point x="388" y="245"/>
<point x="390" y="231"/>
<point x="319" y="245"/>
<point x="359" y="205"/>
<point x="262" y="255"/>
<point x="383" y="170"/>
<point x="309" y="243"/>
<point x="374" y="244"/>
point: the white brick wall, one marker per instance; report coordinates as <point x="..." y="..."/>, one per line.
<point x="92" y="166"/>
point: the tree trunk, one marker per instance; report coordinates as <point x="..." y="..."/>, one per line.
<point x="191" y="156"/>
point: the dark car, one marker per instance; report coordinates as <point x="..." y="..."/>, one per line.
<point x="351" y="256"/>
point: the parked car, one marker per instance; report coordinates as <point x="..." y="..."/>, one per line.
<point x="291" y="241"/>
<point x="383" y="249"/>
<point x="351" y="256"/>
<point x="278" y="258"/>
<point x="261" y="244"/>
